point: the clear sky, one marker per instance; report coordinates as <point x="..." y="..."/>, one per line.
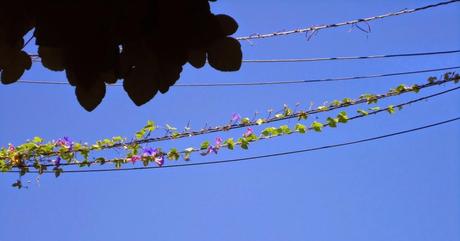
<point x="402" y="188"/>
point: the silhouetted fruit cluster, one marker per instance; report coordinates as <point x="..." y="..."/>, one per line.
<point x="144" y="42"/>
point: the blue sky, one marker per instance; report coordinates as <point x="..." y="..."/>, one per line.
<point x="402" y="188"/>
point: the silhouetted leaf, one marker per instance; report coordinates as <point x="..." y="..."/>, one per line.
<point x="15" y="68"/>
<point x="197" y="57"/>
<point x="228" y="25"/>
<point x="90" y="97"/>
<point x="225" y="54"/>
<point x="51" y="58"/>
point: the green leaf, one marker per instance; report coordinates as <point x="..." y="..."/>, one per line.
<point x="230" y="143"/>
<point x="332" y="122"/>
<point x="363" y="112"/>
<point x="204" y="145"/>
<point x="401" y="88"/>
<point x="260" y="121"/>
<point x="100" y="160"/>
<point x="376" y="108"/>
<point x="279" y="116"/>
<point x="342" y="117"/>
<point x="336" y="103"/>
<point x="432" y="79"/>
<point x="447" y="75"/>
<point x="140" y="134"/>
<point x="245" y="121"/>
<point x="303" y="116"/>
<point x="175" y="135"/>
<point x="317" y="126"/>
<point x="251" y="137"/>
<point x="391" y="109"/>
<point x="347" y="101"/>
<point x="300" y="128"/>
<point x="173" y="154"/>
<point x="287" y="111"/>
<point x="456" y="78"/>
<point x="244" y="143"/>
<point x="370" y="98"/>
<point x="269" y="131"/>
<point x="322" y="108"/>
<point x="57" y="171"/>
<point x="284" y="129"/>
<point x="150" y="126"/>
<point x="37" y="140"/>
<point x="118" y="163"/>
<point x="415" y="88"/>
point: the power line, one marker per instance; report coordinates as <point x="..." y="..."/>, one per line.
<point x="349" y="57"/>
<point x="314" y="29"/>
<point x="231" y="126"/>
<point x="275" y="119"/>
<point x="262" y="83"/>
<point x="374" y="112"/>
<point x="268" y="155"/>
<point x="36" y="58"/>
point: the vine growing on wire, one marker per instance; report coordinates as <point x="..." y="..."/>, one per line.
<point x="53" y="156"/>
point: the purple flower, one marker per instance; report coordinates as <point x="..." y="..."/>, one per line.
<point x="212" y="149"/>
<point x="248" y="132"/>
<point x="160" y="160"/>
<point x="65" y="142"/>
<point x="236" y="117"/>
<point x="149" y="152"/>
<point x="57" y="161"/>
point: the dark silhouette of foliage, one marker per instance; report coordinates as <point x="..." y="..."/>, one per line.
<point x="144" y="42"/>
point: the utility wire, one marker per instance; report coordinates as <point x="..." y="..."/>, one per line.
<point x="314" y="29"/>
<point x="262" y="83"/>
<point x="268" y="155"/>
<point x="36" y="58"/>
<point x="349" y="57"/>
<point x="275" y="119"/>
<point x="350" y="119"/>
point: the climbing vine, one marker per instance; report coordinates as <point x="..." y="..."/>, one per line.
<point x="54" y="155"/>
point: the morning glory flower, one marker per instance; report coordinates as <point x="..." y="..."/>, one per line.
<point x="57" y="161"/>
<point x="236" y="117"/>
<point x="219" y="141"/>
<point x="135" y="158"/>
<point x="65" y="142"/>
<point x="149" y="152"/>
<point x="160" y="160"/>
<point x="212" y="149"/>
<point x="11" y="148"/>
<point x="248" y="132"/>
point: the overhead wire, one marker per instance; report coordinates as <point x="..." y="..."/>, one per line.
<point x="263" y="156"/>
<point x="380" y="56"/>
<point x="314" y="29"/>
<point x="262" y="83"/>
<point x="350" y="119"/>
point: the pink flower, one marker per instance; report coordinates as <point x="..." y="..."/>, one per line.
<point x="11" y="148"/>
<point x="160" y="160"/>
<point x="65" y="142"/>
<point x="135" y="158"/>
<point x="219" y="141"/>
<point x="248" y="132"/>
<point x="236" y="117"/>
